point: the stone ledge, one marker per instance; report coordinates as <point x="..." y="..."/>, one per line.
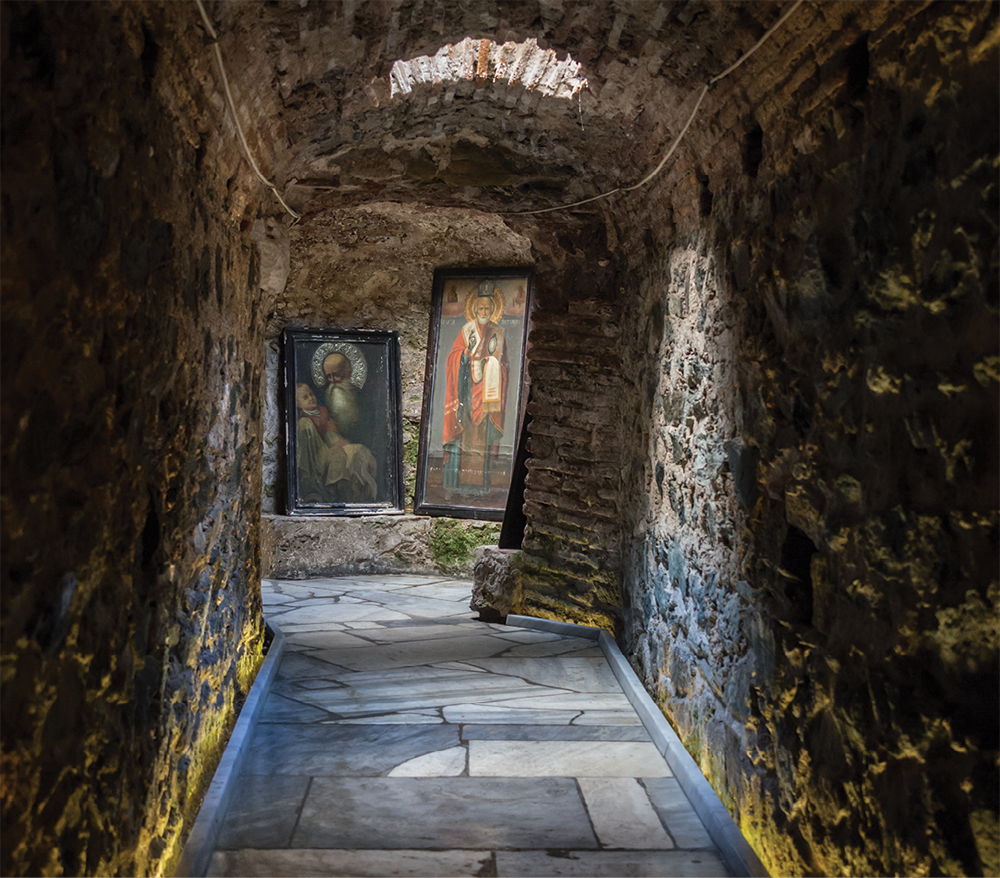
<point x="300" y="546"/>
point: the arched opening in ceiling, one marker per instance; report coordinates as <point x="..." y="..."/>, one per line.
<point x="482" y="60"/>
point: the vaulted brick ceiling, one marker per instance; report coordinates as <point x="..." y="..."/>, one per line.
<point x="492" y="138"/>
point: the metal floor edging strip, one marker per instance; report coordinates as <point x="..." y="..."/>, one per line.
<point x="197" y="852"/>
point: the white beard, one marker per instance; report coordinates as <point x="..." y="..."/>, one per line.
<point x="342" y="406"/>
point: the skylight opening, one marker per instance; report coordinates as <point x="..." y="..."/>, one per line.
<point x="484" y="61"/>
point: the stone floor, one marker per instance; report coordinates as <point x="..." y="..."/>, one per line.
<point x="401" y="737"/>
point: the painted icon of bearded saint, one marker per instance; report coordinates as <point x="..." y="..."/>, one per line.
<point x="476" y="375"/>
<point x="333" y="466"/>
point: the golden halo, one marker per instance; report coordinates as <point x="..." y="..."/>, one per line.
<point x="488" y="289"/>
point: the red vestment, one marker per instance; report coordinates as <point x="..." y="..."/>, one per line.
<point x="477" y="408"/>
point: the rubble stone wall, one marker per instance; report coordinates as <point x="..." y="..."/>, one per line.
<point x="132" y="366"/>
<point x="811" y="587"/>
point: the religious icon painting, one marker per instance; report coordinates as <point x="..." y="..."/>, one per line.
<point x="343" y="422"/>
<point x="473" y="391"/>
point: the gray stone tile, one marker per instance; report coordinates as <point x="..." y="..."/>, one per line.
<point x="573" y="701"/>
<point x="297" y="665"/>
<point x="453" y="812"/>
<point x="294" y="590"/>
<point x="610" y="759"/>
<point x="528" y="635"/>
<point x="574" y="645"/>
<point x="411" y="717"/>
<point x="490" y="714"/>
<point x="622" y="815"/>
<point x="407" y="689"/>
<point x="262" y="812"/>
<point x="357" y="864"/>
<point x="442" y="592"/>
<point x="341" y="750"/>
<point x="328" y="640"/>
<point x="319" y="616"/>
<point x="412" y="653"/>
<point x="675" y="811"/>
<point x="619" y="716"/>
<point x="564" y="672"/>
<point x="428" y="608"/>
<point x="429" y="623"/>
<point x="459" y="666"/>
<point x="440" y="763"/>
<point x="303" y="627"/>
<point x="279" y="709"/>
<point x="608" y="864"/>
<point x="399" y="633"/>
<point x="553" y="733"/>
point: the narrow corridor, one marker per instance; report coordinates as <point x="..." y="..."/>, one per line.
<point x="401" y="737"/>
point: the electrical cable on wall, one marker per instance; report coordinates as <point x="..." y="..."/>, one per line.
<point x="680" y="137"/>
<point x="232" y="106"/>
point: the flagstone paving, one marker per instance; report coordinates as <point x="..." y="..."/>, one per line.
<point x="403" y="738"/>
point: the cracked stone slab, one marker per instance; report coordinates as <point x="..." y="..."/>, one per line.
<point x="341" y="750"/>
<point x="455" y="812"/>
<point x="441" y="763"/>
<point x="511" y="732"/>
<point x="559" y="759"/>
<point x="622" y="815"/>
<point x="608" y="864"/>
<point x="262" y="811"/>
<point x="317" y="863"/>
<point x="591" y="675"/>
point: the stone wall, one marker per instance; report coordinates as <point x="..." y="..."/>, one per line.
<point x="132" y="367"/>
<point x="811" y="586"/>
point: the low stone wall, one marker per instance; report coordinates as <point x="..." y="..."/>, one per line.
<point x="295" y="547"/>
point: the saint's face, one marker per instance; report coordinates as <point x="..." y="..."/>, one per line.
<point x="484" y="308"/>
<point x="337" y="369"/>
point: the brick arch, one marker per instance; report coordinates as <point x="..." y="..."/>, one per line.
<point x="484" y="61"/>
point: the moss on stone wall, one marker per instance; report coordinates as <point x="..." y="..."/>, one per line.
<point x="453" y="542"/>
<point x="411" y="451"/>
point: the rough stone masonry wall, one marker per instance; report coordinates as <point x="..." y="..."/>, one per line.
<point x="132" y="362"/>
<point x="812" y="590"/>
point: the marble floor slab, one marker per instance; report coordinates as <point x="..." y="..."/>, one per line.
<point x="514" y="732"/>
<point x="402" y="737"/>
<point x="561" y="759"/>
<point x="442" y="763"/>
<point x="622" y="815"/>
<point x="263" y="811"/>
<point x="315" y="863"/>
<point x="382" y="656"/>
<point x="675" y="811"/>
<point x="336" y="750"/>
<point x="608" y="864"/>
<point x="453" y="812"/>
<point x="578" y="674"/>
